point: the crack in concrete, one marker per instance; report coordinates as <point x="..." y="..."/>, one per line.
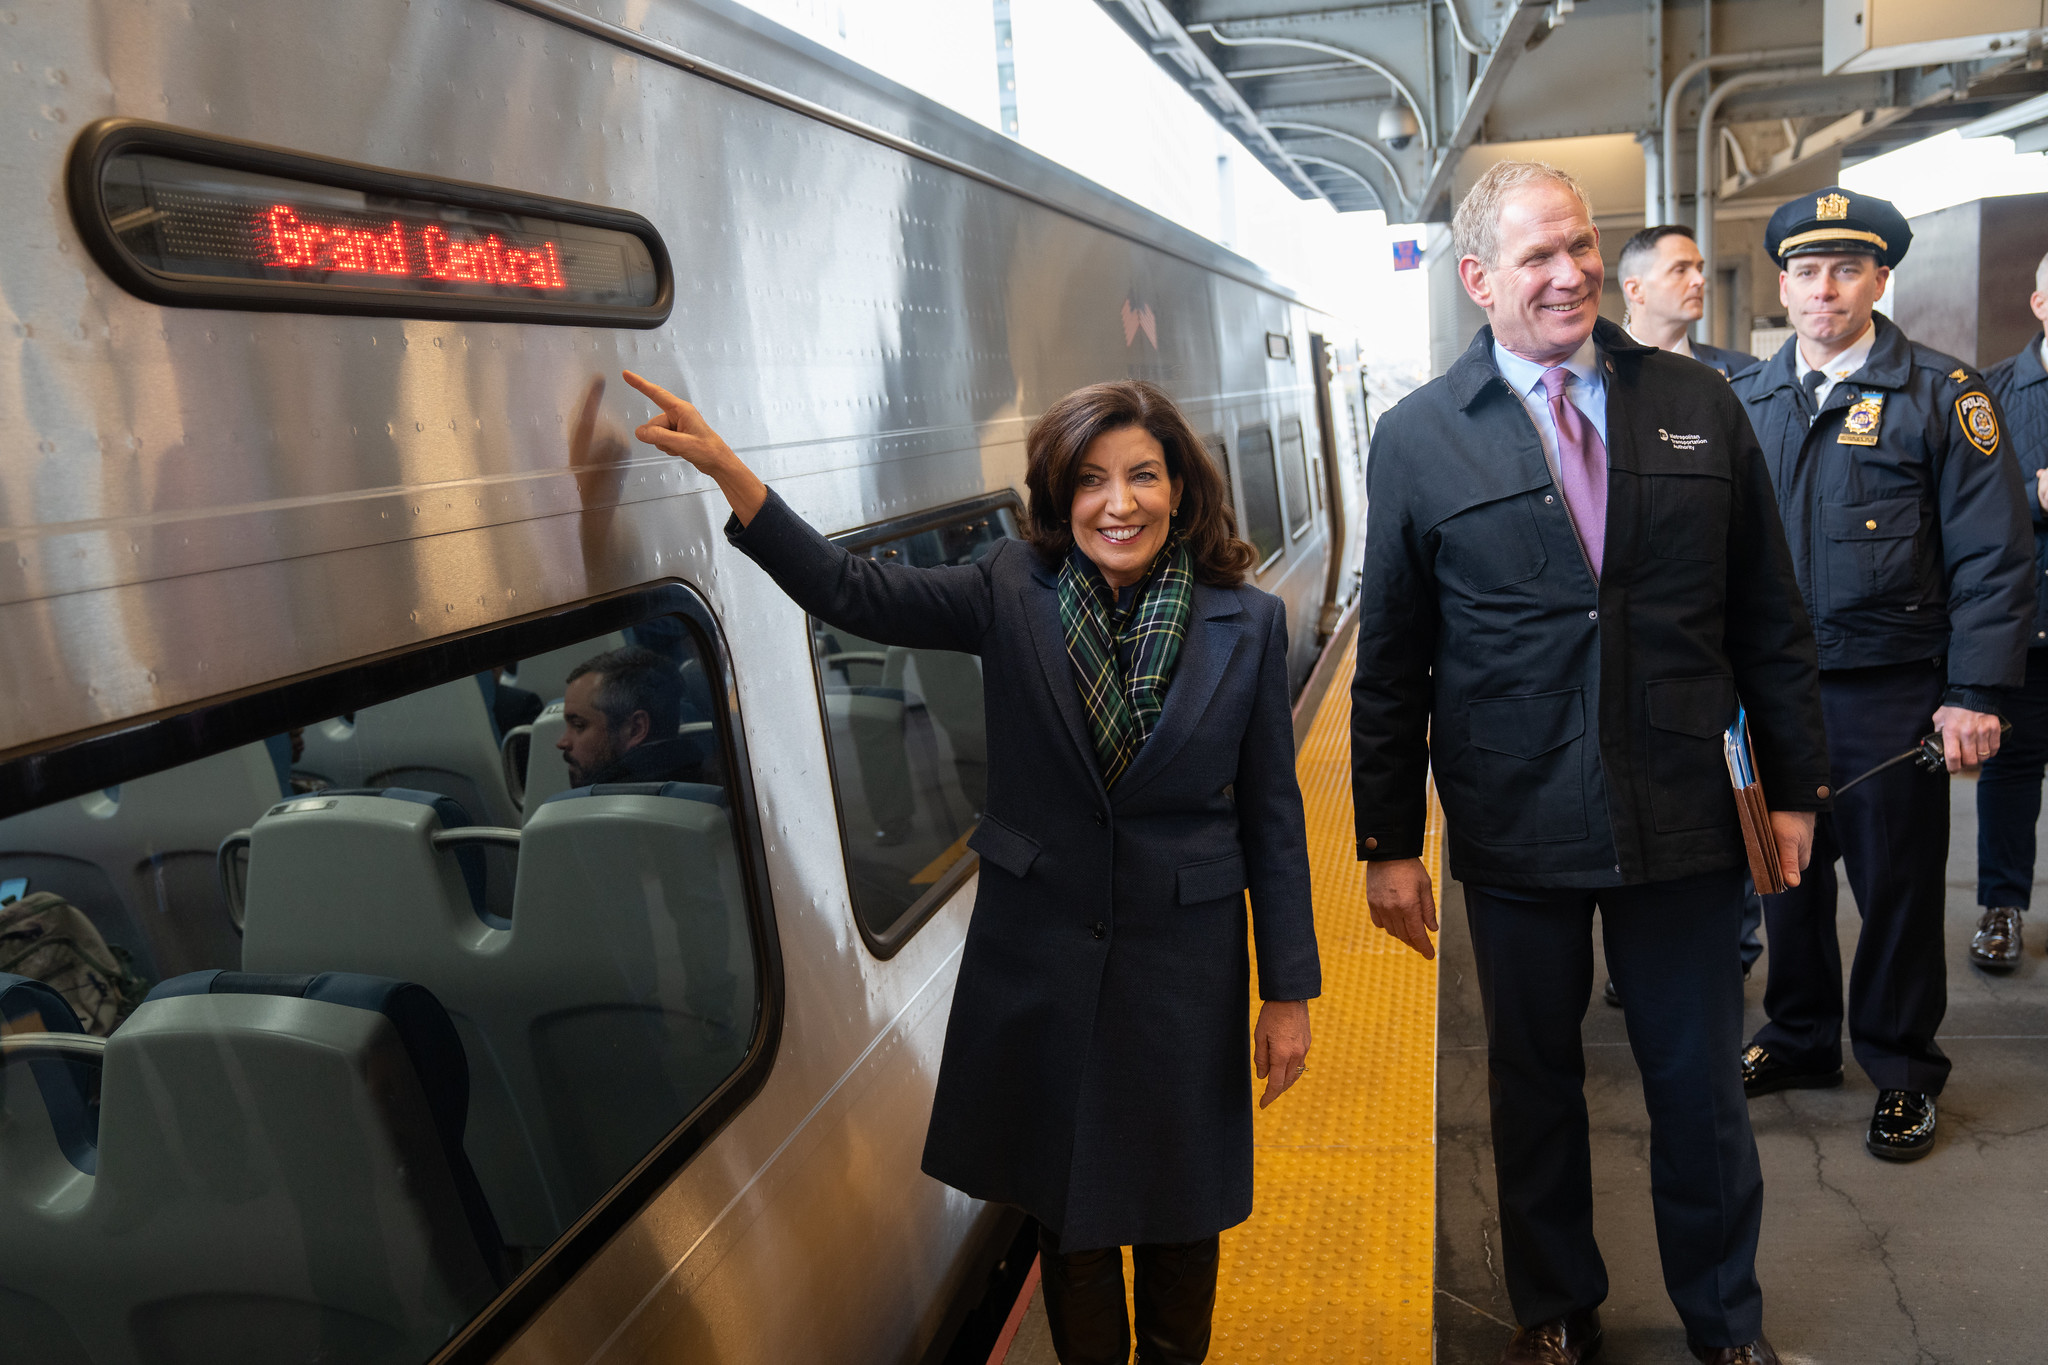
<point x="1475" y="1308"/>
<point x="1922" y="1353"/>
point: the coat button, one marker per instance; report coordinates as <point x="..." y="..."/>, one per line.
<point x="1372" y="843"/>
<point x="1592" y="616"/>
<point x="1101" y="820"/>
<point x="1822" y="792"/>
<point x="1548" y="499"/>
<point x="1101" y="929"/>
<point x="1870" y="526"/>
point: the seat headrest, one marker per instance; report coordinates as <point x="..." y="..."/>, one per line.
<point x="453" y="815"/>
<point x="31" y="1006"/>
<point x="429" y="1039"/>
<point x="682" y="791"/>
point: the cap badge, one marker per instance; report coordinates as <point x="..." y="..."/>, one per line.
<point x="1860" y="422"/>
<point x="1980" y="423"/>
<point x="1831" y="208"/>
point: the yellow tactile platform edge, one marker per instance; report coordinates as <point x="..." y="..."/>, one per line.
<point x="1338" y="1260"/>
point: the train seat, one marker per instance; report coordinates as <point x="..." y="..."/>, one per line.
<point x="280" y="1176"/>
<point x="442" y="740"/>
<point x="950" y="684"/>
<point x="139" y="859"/>
<point x="620" y="996"/>
<point x="534" y="763"/>
<point x="872" y="719"/>
<point x="62" y="1112"/>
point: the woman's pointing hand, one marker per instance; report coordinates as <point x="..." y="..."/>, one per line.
<point x="681" y="431"/>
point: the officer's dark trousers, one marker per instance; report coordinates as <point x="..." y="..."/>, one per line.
<point x="1891" y="834"/>
<point x="1175" y="1296"/>
<point x="1681" y="992"/>
<point x="2009" y="795"/>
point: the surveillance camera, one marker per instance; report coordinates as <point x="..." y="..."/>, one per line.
<point x="1397" y="126"/>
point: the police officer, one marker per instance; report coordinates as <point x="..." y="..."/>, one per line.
<point x="1908" y="531"/>
<point x="2009" y="792"/>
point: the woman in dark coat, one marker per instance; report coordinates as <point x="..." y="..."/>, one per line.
<point x="1141" y="779"/>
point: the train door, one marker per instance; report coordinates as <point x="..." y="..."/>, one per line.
<point x="1323" y="366"/>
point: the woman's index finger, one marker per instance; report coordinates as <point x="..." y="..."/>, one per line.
<point x="665" y="400"/>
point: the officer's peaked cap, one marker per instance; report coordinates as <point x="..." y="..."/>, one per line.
<point x="1836" y="221"/>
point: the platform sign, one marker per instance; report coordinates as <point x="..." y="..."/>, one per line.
<point x="1407" y="255"/>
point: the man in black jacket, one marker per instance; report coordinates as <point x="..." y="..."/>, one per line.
<point x="2009" y="789"/>
<point x="1573" y="570"/>
<point x="1908" y="531"/>
<point x="1664" y="279"/>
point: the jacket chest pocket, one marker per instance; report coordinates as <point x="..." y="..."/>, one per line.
<point x="1871" y="551"/>
<point x="1528" y="761"/>
<point x="1492" y="545"/>
<point x="1688" y="516"/>
<point x="1688" y="768"/>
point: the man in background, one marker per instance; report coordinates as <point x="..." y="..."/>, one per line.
<point x="622" y="715"/>
<point x="1663" y="277"/>
<point x="2009" y="789"/>
<point x="1908" y="530"/>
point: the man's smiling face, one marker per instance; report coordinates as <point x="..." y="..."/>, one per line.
<point x="1543" y="293"/>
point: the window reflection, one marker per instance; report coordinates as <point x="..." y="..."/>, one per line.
<point x="416" y="998"/>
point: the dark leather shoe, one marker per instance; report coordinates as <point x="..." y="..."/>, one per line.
<point x="1756" y="1352"/>
<point x="1567" y="1340"/>
<point x="1763" y="1074"/>
<point x="1996" y="948"/>
<point x="1611" y="995"/>
<point x="1902" y="1129"/>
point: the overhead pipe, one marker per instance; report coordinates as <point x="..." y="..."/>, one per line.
<point x="1422" y="120"/>
<point x="1707" y="181"/>
<point x="1334" y="165"/>
<point x="1359" y="142"/>
<point x="1458" y="32"/>
<point x="1763" y="56"/>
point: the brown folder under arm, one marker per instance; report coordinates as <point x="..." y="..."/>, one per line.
<point x="1758" y="838"/>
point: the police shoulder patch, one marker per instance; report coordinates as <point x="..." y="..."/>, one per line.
<point x="1979" y="421"/>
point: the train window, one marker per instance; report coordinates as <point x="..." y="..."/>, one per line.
<point x="432" y="968"/>
<point x="179" y="218"/>
<point x="906" y="732"/>
<point x="1294" y="471"/>
<point x="1260" y="515"/>
<point x="1219" y="449"/>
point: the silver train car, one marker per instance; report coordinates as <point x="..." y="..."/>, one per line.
<point x="348" y="1010"/>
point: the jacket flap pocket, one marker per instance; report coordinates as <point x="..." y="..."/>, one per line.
<point x="1885" y="519"/>
<point x="1003" y="846"/>
<point x="1693" y="706"/>
<point x="1212" y="880"/>
<point x="1527" y="727"/>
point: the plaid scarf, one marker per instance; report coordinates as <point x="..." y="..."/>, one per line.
<point x="1122" y="711"/>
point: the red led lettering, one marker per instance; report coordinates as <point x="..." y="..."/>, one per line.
<point x="296" y="244"/>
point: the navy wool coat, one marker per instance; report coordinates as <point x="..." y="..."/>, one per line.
<point x="1097" y="1063"/>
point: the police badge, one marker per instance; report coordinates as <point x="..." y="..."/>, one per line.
<point x="1860" y="422"/>
<point x="1980" y="422"/>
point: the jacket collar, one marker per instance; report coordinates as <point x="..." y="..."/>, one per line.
<point x="1214" y="626"/>
<point x="1889" y="367"/>
<point x="1471" y="372"/>
<point x="2026" y="367"/>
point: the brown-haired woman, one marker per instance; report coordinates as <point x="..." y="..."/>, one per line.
<point x="1141" y="779"/>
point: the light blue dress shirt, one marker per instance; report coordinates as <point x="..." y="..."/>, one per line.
<point x="1587" y="392"/>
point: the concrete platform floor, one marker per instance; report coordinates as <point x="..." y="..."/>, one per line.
<point x="1863" y="1262"/>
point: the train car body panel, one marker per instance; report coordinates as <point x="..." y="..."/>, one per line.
<point x="874" y="297"/>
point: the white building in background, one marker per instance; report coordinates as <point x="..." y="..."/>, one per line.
<point x="1071" y="86"/>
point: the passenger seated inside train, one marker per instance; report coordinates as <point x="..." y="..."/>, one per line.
<point x="627" y="718"/>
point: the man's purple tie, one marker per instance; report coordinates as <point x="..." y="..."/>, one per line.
<point x="1581" y="466"/>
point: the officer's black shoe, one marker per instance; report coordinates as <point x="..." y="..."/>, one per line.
<point x="1996" y="947"/>
<point x="1611" y="995"/>
<point x="1763" y="1074"/>
<point x="1902" y="1129"/>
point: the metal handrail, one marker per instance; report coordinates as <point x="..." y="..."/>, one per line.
<point x="60" y="1047"/>
<point x="497" y="836"/>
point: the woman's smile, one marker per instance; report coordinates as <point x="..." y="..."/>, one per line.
<point x="1124" y="501"/>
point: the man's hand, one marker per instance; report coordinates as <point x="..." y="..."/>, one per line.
<point x="1967" y="737"/>
<point x="1280" y="1046"/>
<point x="1402" y="901"/>
<point x="1794" y="831"/>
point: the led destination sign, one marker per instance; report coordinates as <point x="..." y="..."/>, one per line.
<point x="187" y="220"/>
